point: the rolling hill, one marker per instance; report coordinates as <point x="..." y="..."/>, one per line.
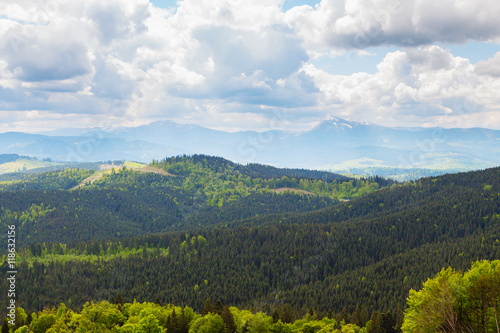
<point x="180" y="243"/>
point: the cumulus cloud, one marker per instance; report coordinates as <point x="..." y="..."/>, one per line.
<point x="129" y="61"/>
<point x="132" y="58"/>
<point x="411" y="87"/>
<point x="357" y="24"/>
<point x="490" y="67"/>
<point x="46" y="59"/>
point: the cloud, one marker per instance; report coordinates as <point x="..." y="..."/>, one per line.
<point x="411" y="87"/>
<point x="129" y="61"/>
<point x="115" y="20"/>
<point x="490" y="67"/>
<point x="251" y="67"/>
<point x="130" y="57"/>
<point x="358" y="24"/>
<point x="46" y="59"/>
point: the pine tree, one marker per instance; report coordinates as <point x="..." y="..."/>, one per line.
<point x="310" y="314"/>
<point x="29" y="318"/>
<point x="319" y="314"/>
<point x="227" y="316"/>
<point x="365" y="315"/>
<point x="119" y="299"/>
<point x="399" y="317"/>
<point x="344" y="316"/>
<point x="287" y="315"/>
<point x="276" y="316"/>
<point x="356" y="317"/>
<point x="375" y="322"/>
<point x="218" y="307"/>
<point x="183" y="323"/>
<point x="387" y="323"/>
<point x="207" y="308"/>
<point x="173" y="324"/>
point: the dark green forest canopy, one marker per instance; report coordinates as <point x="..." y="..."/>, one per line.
<point x="368" y="251"/>
<point x="183" y="194"/>
<point x="451" y="301"/>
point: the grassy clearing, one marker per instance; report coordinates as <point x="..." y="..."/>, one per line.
<point x="107" y="168"/>
<point x="93" y="178"/>
<point x="133" y="165"/>
<point x="288" y="189"/>
<point x="156" y="170"/>
<point x="24" y="164"/>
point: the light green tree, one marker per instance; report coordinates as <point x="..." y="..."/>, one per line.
<point x="456" y="302"/>
<point x="210" y="323"/>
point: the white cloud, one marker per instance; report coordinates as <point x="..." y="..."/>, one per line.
<point x="132" y="56"/>
<point x="489" y="67"/>
<point x="129" y="61"/>
<point x="357" y="24"/>
<point x="411" y="87"/>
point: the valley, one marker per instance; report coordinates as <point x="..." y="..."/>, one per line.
<point x="189" y="228"/>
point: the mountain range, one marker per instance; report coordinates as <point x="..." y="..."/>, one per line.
<point x="335" y="144"/>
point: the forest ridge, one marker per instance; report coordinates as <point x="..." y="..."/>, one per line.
<point x="202" y="227"/>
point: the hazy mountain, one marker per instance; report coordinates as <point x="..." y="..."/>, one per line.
<point x="93" y="146"/>
<point x="335" y="144"/>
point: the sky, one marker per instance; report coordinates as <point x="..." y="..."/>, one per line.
<point x="248" y="65"/>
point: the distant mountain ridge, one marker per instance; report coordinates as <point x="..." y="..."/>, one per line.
<point x="334" y="144"/>
<point x="339" y="123"/>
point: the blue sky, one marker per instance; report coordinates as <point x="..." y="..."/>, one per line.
<point x="240" y="65"/>
<point x="288" y="4"/>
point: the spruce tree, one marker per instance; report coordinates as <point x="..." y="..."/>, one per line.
<point x="287" y="315"/>
<point x="276" y="316"/>
<point x="174" y="322"/>
<point x="375" y="322"/>
<point x="183" y="323"/>
<point x="228" y="318"/>
<point x="319" y="314"/>
<point x="365" y="315"/>
<point x="119" y="299"/>
<point x="344" y="316"/>
<point x="218" y="307"/>
<point x="356" y="317"/>
<point x="207" y="308"/>
<point x="387" y="323"/>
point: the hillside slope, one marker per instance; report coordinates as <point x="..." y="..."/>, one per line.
<point x="176" y="194"/>
<point x="369" y="252"/>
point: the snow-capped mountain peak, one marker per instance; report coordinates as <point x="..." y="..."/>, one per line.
<point x="332" y="122"/>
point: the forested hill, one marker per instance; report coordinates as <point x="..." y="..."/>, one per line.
<point x="253" y="170"/>
<point x="367" y="252"/>
<point x="469" y="196"/>
<point x="181" y="193"/>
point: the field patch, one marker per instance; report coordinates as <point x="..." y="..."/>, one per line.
<point x="289" y="189"/>
<point x="156" y="170"/>
<point x="24" y="164"/>
<point x="133" y="165"/>
<point x="93" y="178"/>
